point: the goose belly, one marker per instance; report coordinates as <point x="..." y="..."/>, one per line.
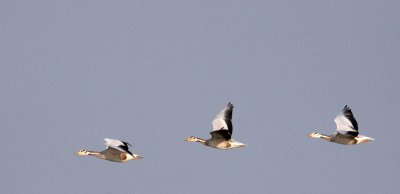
<point x="113" y="156"/>
<point x="344" y="140"/>
<point x="220" y="144"/>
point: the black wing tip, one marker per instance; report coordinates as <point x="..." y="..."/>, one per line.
<point x="349" y="115"/>
<point x="125" y="148"/>
<point x="126" y="143"/>
<point x="230" y="105"/>
<point x="347" y="109"/>
<point x="129" y="152"/>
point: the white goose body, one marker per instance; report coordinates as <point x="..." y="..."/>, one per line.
<point x="346" y="130"/>
<point x="117" y="151"/>
<point x="221" y="136"/>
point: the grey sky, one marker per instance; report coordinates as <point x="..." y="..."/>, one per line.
<point x="154" y="73"/>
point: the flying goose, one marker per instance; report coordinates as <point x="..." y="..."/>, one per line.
<point x="346" y="130"/>
<point x="222" y="132"/>
<point x="117" y="151"/>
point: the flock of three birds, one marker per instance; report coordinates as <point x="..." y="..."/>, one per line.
<point x="221" y="136"/>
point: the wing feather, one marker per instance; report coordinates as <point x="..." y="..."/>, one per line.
<point x="223" y="121"/>
<point x="346" y="122"/>
<point x="119" y="145"/>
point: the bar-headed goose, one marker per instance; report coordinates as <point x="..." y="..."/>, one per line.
<point x="222" y="132"/>
<point x="346" y="130"/>
<point x="117" y="151"/>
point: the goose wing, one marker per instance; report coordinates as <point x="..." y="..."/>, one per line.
<point x="346" y="123"/>
<point x="118" y="145"/>
<point x="221" y="134"/>
<point x="223" y="121"/>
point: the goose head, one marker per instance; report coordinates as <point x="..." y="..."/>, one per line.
<point x="82" y="153"/>
<point x="315" y="135"/>
<point x="192" y="139"/>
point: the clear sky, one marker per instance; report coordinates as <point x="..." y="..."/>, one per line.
<point x="155" y="72"/>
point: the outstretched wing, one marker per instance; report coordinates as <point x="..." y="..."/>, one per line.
<point x="119" y="145"/>
<point x="346" y="123"/>
<point x="223" y="121"/>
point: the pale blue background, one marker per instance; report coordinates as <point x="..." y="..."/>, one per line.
<point x="155" y="72"/>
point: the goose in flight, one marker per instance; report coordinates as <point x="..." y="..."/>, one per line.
<point x="346" y="130"/>
<point x="117" y="151"/>
<point x="221" y="136"/>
